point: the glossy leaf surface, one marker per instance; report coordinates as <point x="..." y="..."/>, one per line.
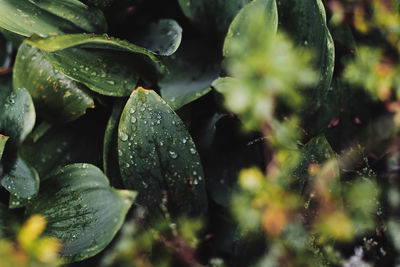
<point x="157" y="156"/>
<point x="57" y="98"/>
<point x="191" y="72"/>
<point x="113" y="73"/>
<point x="17" y="113"/>
<point x="22" y="180"/>
<point x="81" y="209"/>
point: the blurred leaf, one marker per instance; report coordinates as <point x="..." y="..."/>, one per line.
<point x="48" y="147"/>
<point x="99" y="3"/>
<point x="87" y="59"/>
<point x="316" y="151"/>
<point x="162" y="37"/>
<point x="81" y="209"/>
<point x="157" y="156"/>
<point x="57" y="98"/>
<point x="22" y="180"/>
<point x="238" y="28"/>
<point x="191" y="72"/>
<point x="46" y="17"/>
<point x="306" y="23"/>
<point x="110" y="153"/>
<point x="212" y="15"/>
<point x="17" y="113"/>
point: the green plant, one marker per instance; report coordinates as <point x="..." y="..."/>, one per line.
<point x="191" y="133"/>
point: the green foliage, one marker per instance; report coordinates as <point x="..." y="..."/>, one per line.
<point x="199" y="133"/>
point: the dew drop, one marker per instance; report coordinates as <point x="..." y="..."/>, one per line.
<point x="173" y="154"/>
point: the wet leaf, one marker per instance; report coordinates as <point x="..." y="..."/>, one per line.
<point x="22" y="180"/>
<point x="191" y="71"/>
<point x="57" y="98"/>
<point x="306" y="23"/>
<point x="106" y="65"/>
<point x="47" y="17"/>
<point x="81" y="209"/>
<point x="162" y="38"/>
<point x="17" y="113"/>
<point x="212" y="15"/>
<point x="158" y="158"/>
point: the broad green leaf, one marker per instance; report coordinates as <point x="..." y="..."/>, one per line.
<point x="44" y="18"/>
<point x="162" y="38"/>
<point x="212" y="15"/>
<point x="81" y="209"/>
<point x="158" y="158"/>
<point x="86" y="18"/>
<point x="110" y="154"/>
<point x="48" y="147"/>
<point x="238" y="25"/>
<point x="22" y="180"/>
<point x="99" y="3"/>
<point x="17" y="113"/>
<point x="306" y="23"/>
<point x="17" y="202"/>
<point x="57" y="98"/>
<point x="87" y="58"/>
<point x="191" y="72"/>
<point x="3" y="141"/>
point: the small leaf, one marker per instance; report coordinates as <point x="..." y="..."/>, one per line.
<point x="87" y="59"/>
<point x="57" y="98"/>
<point x="237" y="28"/>
<point x="191" y="72"/>
<point x="3" y="141"/>
<point x="162" y="38"/>
<point x="158" y="158"/>
<point x="81" y="209"/>
<point x="22" y="180"/>
<point x="25" y="17"/>
<point x="17" y="113"/>
<point x="212" y="15"/>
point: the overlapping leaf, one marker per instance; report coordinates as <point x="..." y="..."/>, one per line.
<point x="57" y="98"/>
<point x="158" y="158"/>
<point x="87" y="58"/>
<point x="46" y="17"/>
<point x="81" y="209"/>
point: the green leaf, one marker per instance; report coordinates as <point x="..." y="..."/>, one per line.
<point x="162" y="38"/>
<point x="46" y="18"/>
<point x="212" y="15"/>
<point x="99" y="3"/>
<point x="3" y="141"/>
<point x="110" y="154"/>
<point x="22" y="180"/>
<point x="306" y="23"/>
<point x="48" y="147"/>
<point x="17" y="113"/>
<point x="81" y="210"/>
<point x="158" y="158"/>
<point x="113" y="74"/>
<point x="191" y="72"/>
<point x="86" y="18"/>
<point x="57" y="98"/>
<point x="238" y="25"/>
